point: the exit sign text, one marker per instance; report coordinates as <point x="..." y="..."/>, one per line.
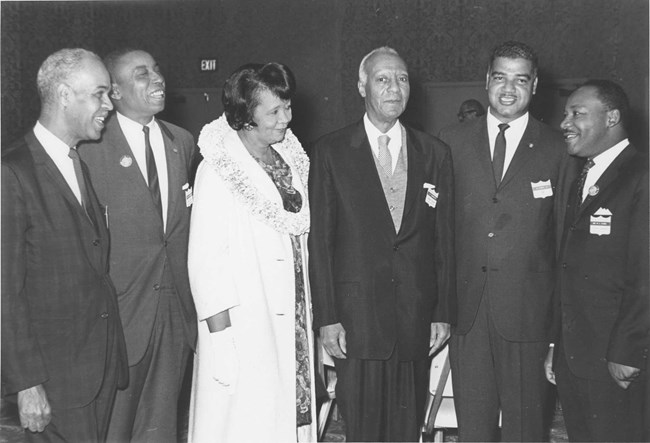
<point x="208" y="64"/>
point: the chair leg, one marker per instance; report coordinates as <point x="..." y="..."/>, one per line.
<point x="322" y="417"/>
<point x="437" y="436"/>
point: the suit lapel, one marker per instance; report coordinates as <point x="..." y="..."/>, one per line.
<point x="42" y="158"/>
<point x="483" y="150"/>
<point x="362" y="158"/>
<point x="415" y="174"/>
<point x="565" y="201"/>
<point x="525" y="151"/>
<point x="174" y="171"/>
<point x="86" y="228"/>
<point x="122" y="151"/>
<point x="611" y="173"/>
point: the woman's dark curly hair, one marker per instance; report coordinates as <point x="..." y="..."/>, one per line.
<point x="241" y="90"/>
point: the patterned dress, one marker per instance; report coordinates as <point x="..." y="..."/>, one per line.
<point x="280" y="174"/>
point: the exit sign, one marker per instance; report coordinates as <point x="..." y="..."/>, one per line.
<point x="208" y="64"/>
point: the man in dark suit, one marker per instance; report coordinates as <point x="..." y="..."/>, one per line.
<point x="140" y="171"/>
<point x="601" y="362"/>
<point x="381" y="256"/>
<point x="63" y="352"/>
<point x="506" y="166"/>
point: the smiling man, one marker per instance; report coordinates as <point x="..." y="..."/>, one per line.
<point x="63" y="353"/>
<point x="140" y="171"/>
<point x="601" y="362"/>
<point x="381" y="256"/>
<point x="506" y="166"/>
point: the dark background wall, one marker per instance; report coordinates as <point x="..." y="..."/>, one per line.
<point x="323" y="42"/>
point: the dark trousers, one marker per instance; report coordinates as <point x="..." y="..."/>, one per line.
<point x="596" y="410"/>
<point x="490" y="374"/>
<point x="88" y="424"/>
<point x="382" y="400"/>
<point x="146" y="411"/>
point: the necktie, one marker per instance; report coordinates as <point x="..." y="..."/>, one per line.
<point x="499" y="157"/>
<point x="152" y="172"/>
<point x="581" y="180"/>
<point x="76" y="163"/>
<point x="384" y="157"/>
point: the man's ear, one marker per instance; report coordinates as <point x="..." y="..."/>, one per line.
<point x="115" y="92"/>
<point x="613" y="118"/>
<point x="362" y="88"/>
<point x="535" y="85"/>
<point x="64" y="93"/>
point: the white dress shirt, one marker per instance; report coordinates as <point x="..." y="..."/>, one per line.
<point x="58" y="152"/>
<point x="135" y="137"/>
<point x="601" y="163"/>
<point x="513" y="136"/>
<point x="394" y="143"/>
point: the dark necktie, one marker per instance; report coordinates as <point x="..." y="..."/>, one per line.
<point x="152" y="172"/>
<point x="581" y="181"/>
<point x="85" y="198"/>
<point x="499" y="156"/>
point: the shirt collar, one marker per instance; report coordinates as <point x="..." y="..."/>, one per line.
<point x="128" y="124"/>
<point x="395" y="133"/>
<point x="517" y="125"/>
<point x="52" y="144"/>
<point x="605" y="158"/>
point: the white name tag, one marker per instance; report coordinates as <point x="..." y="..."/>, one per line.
<point x="431" y="198"/>
<point x="542" y="189"/>
<point x="189" y="196"/>
<point x="601" y="222"/>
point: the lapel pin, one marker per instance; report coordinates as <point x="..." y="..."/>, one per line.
<point x="530" y="145"/>
<point x="175" y="150"/>
<point x="594" y="190"/>
<point x="126" y="161"/>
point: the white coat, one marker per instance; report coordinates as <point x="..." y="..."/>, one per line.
<point x="239" y="263"/>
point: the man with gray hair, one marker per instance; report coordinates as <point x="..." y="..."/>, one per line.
<point x="63" y="351"/>
<point x="381" y="256"/>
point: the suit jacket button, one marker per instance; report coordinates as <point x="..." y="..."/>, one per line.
<point x="484" y="268"/>
<point x="564" y="265"/>
<point x="96" y="242"/>
<point x="165" y="243"/>
<point x="104" y="315"/>
<point x="491" y="234"/>
<point x="156" y="287"/>
<point x="395" y="248"/>
<point x="495" y="200"/>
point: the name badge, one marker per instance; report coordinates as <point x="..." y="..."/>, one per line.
<point x="542" y="189"/>
<point x="431" y="198"/>
<point x="601" y="222"/>
<point x="189" y="196"/>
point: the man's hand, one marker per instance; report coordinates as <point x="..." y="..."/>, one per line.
<point x="333" y="337"/>
<point x="548" y="366"/>
<point x="622" y="375"/>
<point x="34" y="409"/>
<point x="439" y="334"/>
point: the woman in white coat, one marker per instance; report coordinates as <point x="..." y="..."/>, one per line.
<point x="253" y="370"/>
